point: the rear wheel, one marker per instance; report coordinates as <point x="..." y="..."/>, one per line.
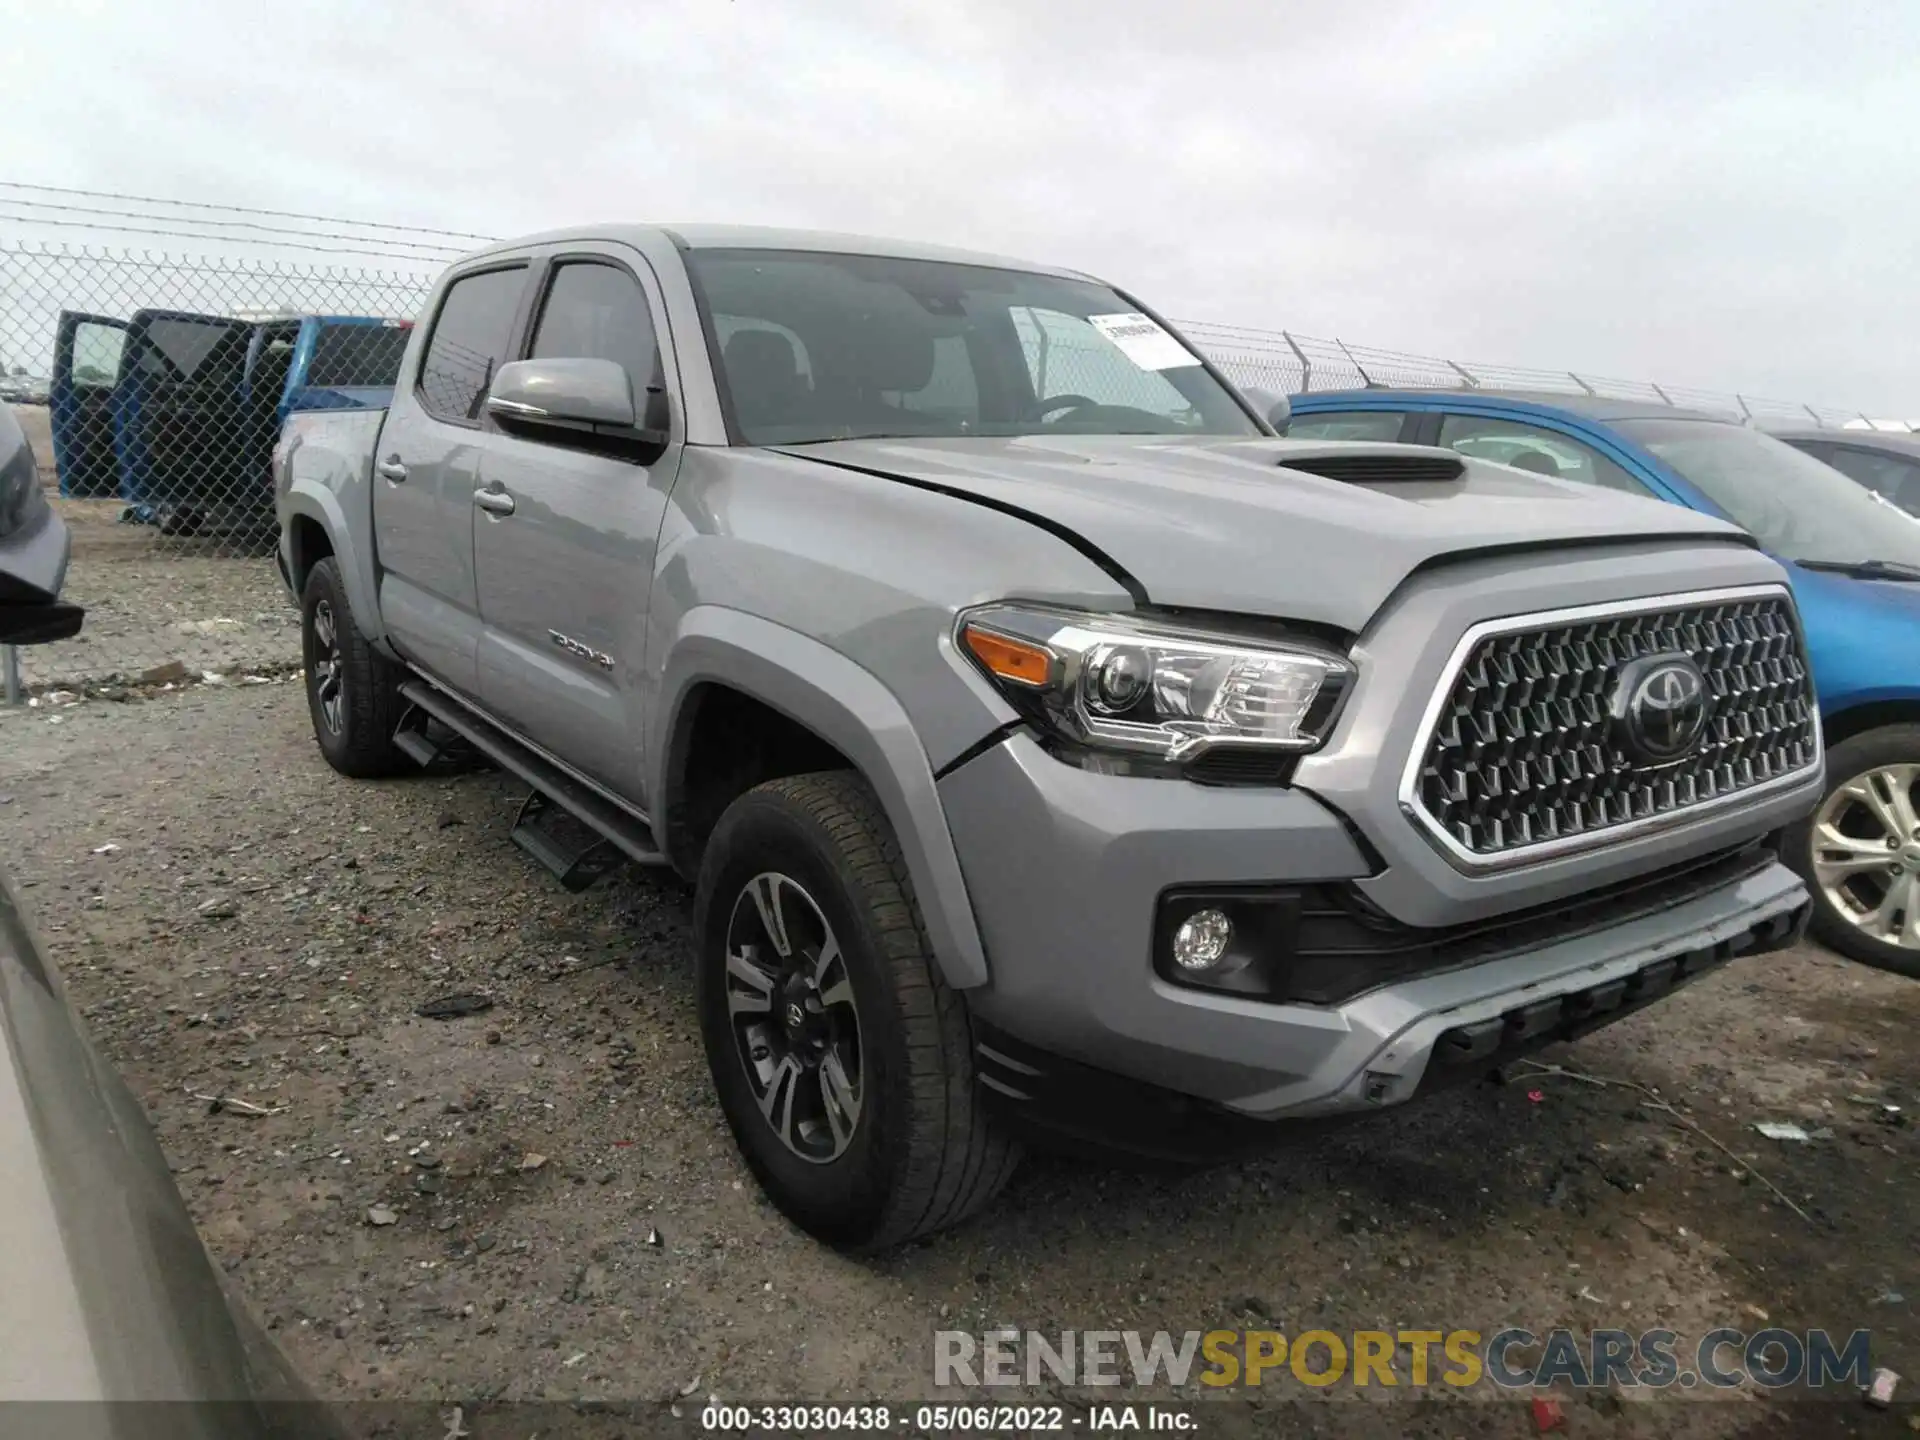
<point x="843" y="1062"/>
<point x="1860" y="851"/>
<point x="353" y="691"/>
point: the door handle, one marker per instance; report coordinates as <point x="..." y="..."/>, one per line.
<point x="391" y="469"/>
<point x="494" y="502"/>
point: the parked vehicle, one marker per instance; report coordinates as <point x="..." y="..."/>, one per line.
<point x="23" y="389"/>
<point x="1886" y="462"/>
<point x="1855" y="570"/>
<point x="176" y="413"/>
<point x="1053" y="750"/>
<point x="109" y="1295"/>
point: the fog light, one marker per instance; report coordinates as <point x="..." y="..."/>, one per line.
<point x="1202" y="940"/>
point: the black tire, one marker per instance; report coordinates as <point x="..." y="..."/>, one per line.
<point x="1847" y="763"/>
<point x="354" y="730"/>
<point x="921" y="1153"/>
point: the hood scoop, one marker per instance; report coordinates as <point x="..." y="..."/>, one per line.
<point x="1379" y="469"/>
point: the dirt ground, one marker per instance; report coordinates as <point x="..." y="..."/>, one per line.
<point x="265" y="930"/>
<point x="204" y="604"/>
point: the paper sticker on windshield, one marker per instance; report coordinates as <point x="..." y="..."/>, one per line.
<point x="1143" y="342"/>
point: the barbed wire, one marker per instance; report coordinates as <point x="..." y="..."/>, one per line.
<point x="244" y="210"/>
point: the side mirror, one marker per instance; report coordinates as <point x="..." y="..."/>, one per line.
<point x="1276" y="408"/>
<point x="538" y="393"/>
<point x="30" y="624"/>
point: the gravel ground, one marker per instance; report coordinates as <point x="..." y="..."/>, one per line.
<point x="265" y="929"/>
<point x="197" y="604"/>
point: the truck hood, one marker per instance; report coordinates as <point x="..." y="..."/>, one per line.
<point x="1224" y="525"/>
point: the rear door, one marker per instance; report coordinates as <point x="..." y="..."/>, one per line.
<point x="181" y="421"/>
<point x="87" y="354"/>
<point x="427" y="467"/>
<point x="564" y="575"/>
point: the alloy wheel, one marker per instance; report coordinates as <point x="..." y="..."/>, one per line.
<point x="324" y="668"/>
<point x="791" y="1009"/>
<point x="1866" y="853"/>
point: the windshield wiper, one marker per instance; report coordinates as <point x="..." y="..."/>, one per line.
<point x="1864" y="569"/>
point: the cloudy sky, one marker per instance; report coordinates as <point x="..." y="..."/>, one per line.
<point x="1710" y="194"/>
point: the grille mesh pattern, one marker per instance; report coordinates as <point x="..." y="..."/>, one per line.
<point x="1523" y="751"/>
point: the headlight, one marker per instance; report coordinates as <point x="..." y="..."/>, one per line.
<point x="1136" y="687"/>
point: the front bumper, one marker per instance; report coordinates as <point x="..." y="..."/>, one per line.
<point x="1065" y="867"/>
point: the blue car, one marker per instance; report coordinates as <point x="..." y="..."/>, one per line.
<point x="1854" y="562"/>
<point x="177" y="413"/>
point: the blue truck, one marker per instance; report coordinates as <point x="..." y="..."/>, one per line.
<point x="176" y="413"/>
<point x="1853" y="560"/>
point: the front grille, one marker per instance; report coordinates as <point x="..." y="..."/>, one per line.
<point x="1525" y="754"/>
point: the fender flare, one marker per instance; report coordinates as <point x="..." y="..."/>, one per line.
<point x="851" y="710"/>
<point x="311" y="500"/>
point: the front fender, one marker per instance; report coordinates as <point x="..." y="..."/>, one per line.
<point x="850" y="709"/>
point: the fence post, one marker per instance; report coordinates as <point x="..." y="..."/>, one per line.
<point x="1665" y="398"/>
<point x="1583" y="384"/>
<point x="1306" y="365"/>
<point x="1461" y="371"/>
<point x="1366" y="379"/>
<point x="10" y="663"/>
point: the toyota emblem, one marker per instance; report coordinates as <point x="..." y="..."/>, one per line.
<point x="1660" y="707"/>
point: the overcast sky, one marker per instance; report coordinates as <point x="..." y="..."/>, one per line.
<point x="1721" y="195"/>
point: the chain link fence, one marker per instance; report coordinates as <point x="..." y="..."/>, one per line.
<point x="153" y="386"/>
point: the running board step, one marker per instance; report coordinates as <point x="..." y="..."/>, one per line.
<point x="433" y="745"/>
<point x="577" y="854"/>
<point x="577" y="861"/>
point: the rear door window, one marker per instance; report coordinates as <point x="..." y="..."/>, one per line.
<point x="1374" y="425"/>
<point x="193" y="351"/>
<point x="469" y="342"/>
<point x="1535" y="448"/>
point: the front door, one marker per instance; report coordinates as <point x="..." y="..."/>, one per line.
<point x="87" y="350"/>
<point x="427" y="467"/>
<point x="564" y="575"/>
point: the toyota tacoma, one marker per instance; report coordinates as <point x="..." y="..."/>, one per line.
<point x="1053" y="750"/>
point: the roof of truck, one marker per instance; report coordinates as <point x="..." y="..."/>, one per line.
<point x="769" y="237"/>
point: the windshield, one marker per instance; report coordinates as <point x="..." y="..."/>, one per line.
<point x="814" y="346"/>
<point x="1792" y="504"/>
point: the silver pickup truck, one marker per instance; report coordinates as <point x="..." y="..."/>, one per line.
<point x="1054" y="750"/>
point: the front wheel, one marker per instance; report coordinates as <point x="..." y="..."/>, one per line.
<point x="842" y="1061"/>
<point x="1860" y="851"/>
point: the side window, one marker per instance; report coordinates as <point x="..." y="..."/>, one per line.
<point x="597" y="312"/>
<point x="469" y="342"/>
<point x="96" y="355"/>
<point x="1535" y="448"/>
<point x="1346" y="425"/>
<point x="209" y="352"/>
<point x="1898" y="480"/>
